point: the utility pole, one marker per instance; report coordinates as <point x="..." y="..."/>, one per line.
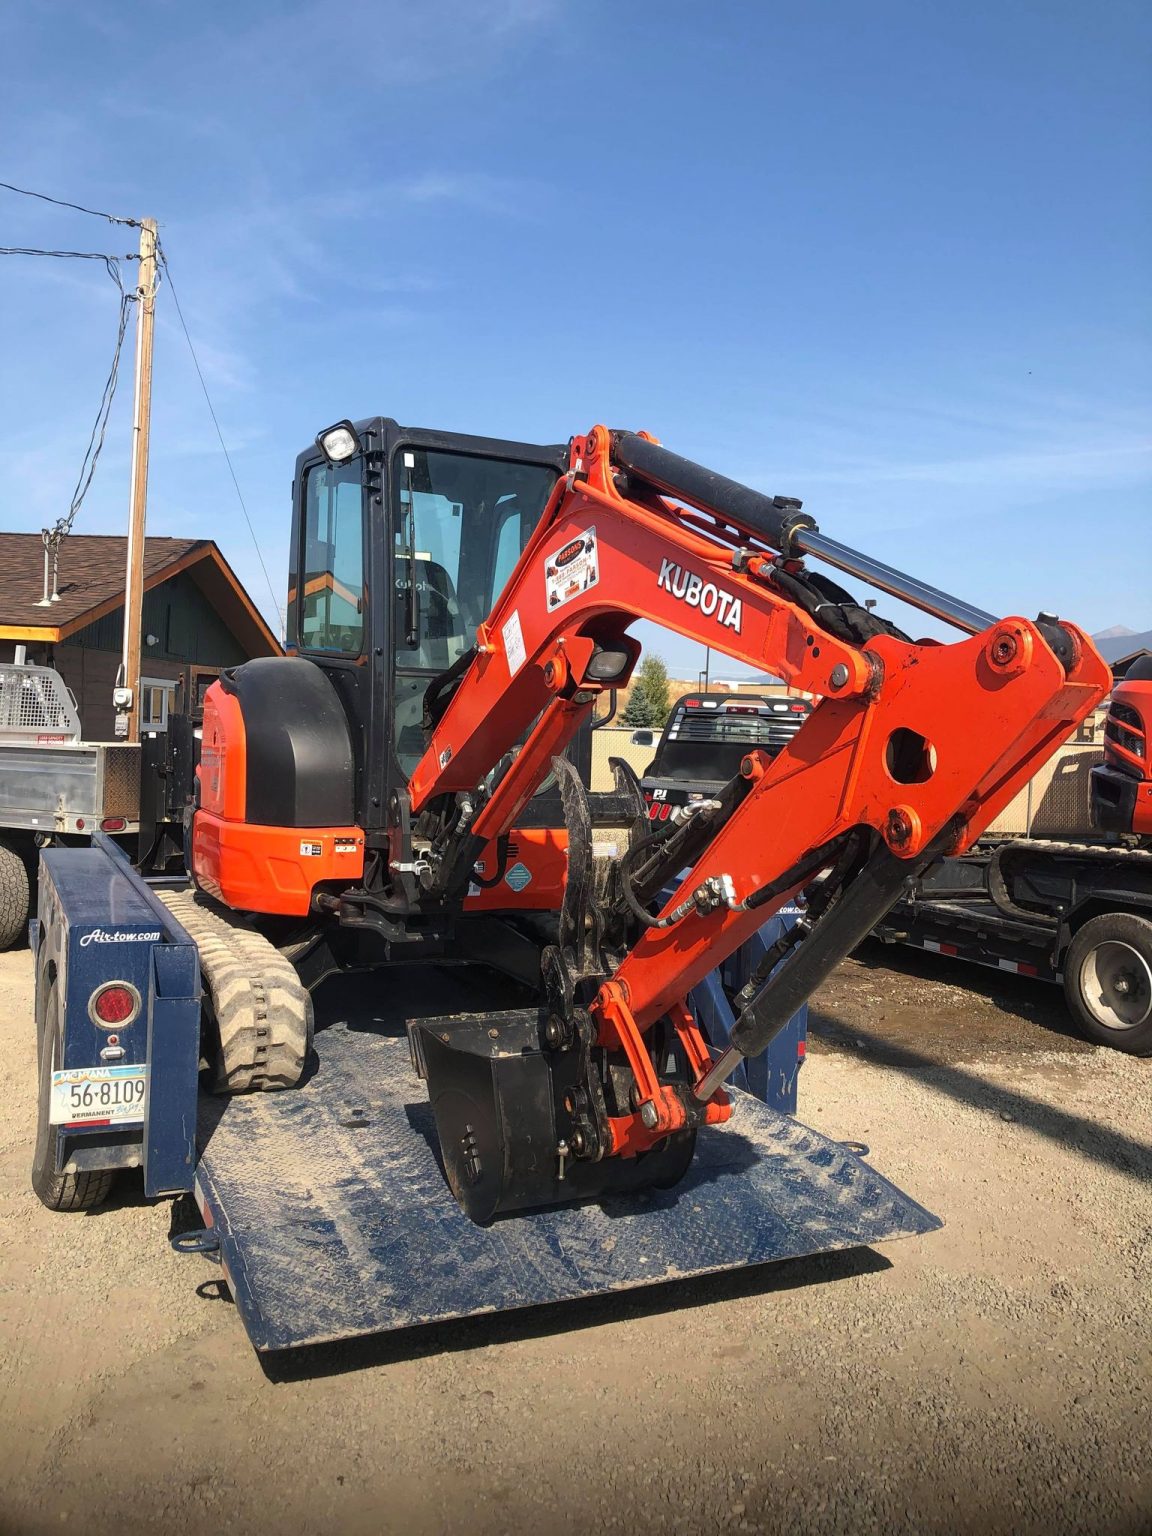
<point x="126" y="697"/>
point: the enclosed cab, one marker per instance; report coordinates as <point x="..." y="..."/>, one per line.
<point x="402" y="540"/>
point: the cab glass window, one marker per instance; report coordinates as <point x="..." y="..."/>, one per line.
<point x="461" y="522"/>
<point x="331" y="597"/>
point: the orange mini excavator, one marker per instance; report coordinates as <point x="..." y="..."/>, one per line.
<point x="1122" y="783"/>
<point x="402" y="787"/>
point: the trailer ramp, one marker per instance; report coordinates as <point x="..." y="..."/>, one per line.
<point x="334" y="1220"/>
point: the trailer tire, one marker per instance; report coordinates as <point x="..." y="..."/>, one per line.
<point x="1108" y="981"/>
<point x="15" y="893"/>
<point x="59" y="1191"/>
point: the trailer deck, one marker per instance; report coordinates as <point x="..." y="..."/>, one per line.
<point x="333" y="1218"/>
<point x="327" y="1204"/>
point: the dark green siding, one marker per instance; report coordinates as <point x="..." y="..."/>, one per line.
<point x="188" y="627"/>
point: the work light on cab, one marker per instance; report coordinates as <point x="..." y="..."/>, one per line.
<point x="340" y="443"/>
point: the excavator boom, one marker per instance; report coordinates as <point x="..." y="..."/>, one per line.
<point x="912" y="750"/>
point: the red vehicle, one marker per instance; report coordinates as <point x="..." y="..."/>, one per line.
<point x="1122" y="784"/>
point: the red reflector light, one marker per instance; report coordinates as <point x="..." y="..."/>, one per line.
<point x="115" y="1004"/>
<point x="113" y="824"/>
<point x="653" y="811"/>
<point x="799" y="709"/>
<point x="691" y="703"/>
<point x="665" y="811"/>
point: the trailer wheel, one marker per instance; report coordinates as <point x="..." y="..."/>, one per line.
<point x="14" y="896"/>
<point x="1108" y="981"/>
<point x="59" y="1191"/>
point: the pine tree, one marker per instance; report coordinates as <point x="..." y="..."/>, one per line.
<point x="648" y="702"/>
<point x="654" y="679"/>
<point x="638" y="711"/>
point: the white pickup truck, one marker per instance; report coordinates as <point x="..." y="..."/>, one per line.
<point x="54" y="787"/>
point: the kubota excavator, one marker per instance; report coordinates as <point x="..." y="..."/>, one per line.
<point x="399" y="788"/>
<point x="1122" y="783"/>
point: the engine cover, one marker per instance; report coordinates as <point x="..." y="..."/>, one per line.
<point x="274" y="817"/>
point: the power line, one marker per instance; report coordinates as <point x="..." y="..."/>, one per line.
<point x="111" y="262"/>
<point x="61" y="203"/>
<point x="100" y="425"/>
<point x="224" y="447"/>
<point x="63" y="525"/>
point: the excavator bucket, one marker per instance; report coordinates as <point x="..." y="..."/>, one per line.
<point x="332" y="1216"/>
<point x="493" y="1096"/>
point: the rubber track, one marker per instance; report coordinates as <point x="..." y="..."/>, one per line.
<point x="263" y="1014"/>
<point x="1104" y="852"/>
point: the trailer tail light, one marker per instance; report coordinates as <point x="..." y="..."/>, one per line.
<point x="113" y="824"/>
<point x="114" y="1005"/>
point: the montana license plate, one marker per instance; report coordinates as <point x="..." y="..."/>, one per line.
<point x="98" y="1095"/>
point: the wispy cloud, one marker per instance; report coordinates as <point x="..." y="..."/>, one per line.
<point x="477" y="191"/>
<point x="1034" y="467"/>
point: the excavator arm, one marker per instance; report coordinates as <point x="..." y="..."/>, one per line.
<point x="912" y="749"/>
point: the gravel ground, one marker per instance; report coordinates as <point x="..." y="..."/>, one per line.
<point x="994" y="1376"/>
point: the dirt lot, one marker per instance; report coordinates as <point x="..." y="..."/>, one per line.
<point x="996" y="1375"/>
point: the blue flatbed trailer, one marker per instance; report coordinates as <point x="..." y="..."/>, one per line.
<point x="327" y="1205"/>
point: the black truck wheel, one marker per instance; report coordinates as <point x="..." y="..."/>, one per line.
<point x="14" y="895"/>
<point x="59" y="1191"/>
<point x="1108" y="981"/>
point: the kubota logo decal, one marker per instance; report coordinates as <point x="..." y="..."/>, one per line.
<point x="698" y="593"/>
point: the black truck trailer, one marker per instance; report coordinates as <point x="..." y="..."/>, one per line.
<point x="1075" y="912"/>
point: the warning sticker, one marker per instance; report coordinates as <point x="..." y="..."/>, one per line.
<point x="571" y="569"/>
<point x="519" y="876"/>
<point x="311" y="850"/>
<point x="514" y="643"/>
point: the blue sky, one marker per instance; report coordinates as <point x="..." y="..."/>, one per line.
<point x="893" y="259"/>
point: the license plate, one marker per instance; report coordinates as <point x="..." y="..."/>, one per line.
<point x="98" y="1095"/>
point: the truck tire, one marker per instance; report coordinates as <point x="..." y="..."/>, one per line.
<point x="1108" y="981"/>
<point x="59" y="1191"/>
<point x="15" y="892"/>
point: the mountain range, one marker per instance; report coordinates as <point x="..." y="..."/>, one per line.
<point x="1121" y="641"/>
